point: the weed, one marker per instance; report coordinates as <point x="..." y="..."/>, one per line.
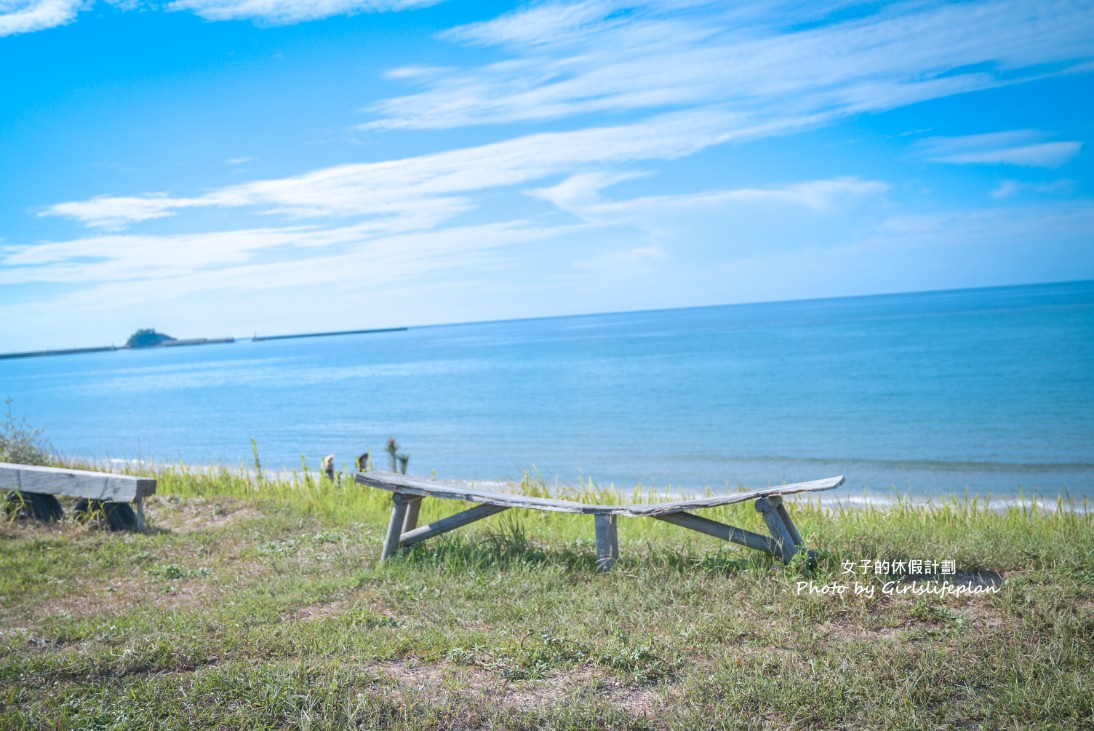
<point x="20" y="443"/>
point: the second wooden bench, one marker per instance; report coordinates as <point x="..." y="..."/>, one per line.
<point x="408" y="493"/>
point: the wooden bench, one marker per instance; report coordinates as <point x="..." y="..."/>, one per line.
<point x="408" y="493"/>
<point x="36" y="488"/>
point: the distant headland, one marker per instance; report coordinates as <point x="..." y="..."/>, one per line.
<point x="151" y="339"/>
<point x="148" y="338"/>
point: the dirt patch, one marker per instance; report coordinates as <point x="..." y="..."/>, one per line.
<point x="91" y="599"/>
<point x="312" y="612"/>
<point x="974" y="579"/>
<point x="848" y="629"/>
<point x="194" y="515"/>
<point x="85" y="598"/>
<point x="583" y="681"/>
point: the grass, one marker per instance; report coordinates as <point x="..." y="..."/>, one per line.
<point x="259" y="603"/>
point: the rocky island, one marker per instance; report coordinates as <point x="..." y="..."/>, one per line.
<point x="149" y="338"/>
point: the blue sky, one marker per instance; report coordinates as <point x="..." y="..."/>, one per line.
<point x="223" y="167"/>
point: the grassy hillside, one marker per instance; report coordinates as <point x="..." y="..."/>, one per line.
<point x="259" y="603"/>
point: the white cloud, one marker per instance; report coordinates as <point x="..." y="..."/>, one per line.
<point x="121" y="271"/>
<point x="548" y="23"/>
<point x="775" y="60"/>
<point x="1010" y="188"/>
<point x="117" y="212"/>
<point x="27" y="16"/>
<point x="430" y="188"/>
<point x="580" y="195"/>
<point x="1015" y="147"/>
<point x="283" y="12"/>
<point x="1043" y="155"/>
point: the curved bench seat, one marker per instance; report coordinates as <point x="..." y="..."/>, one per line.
<point x="408" y="493"/>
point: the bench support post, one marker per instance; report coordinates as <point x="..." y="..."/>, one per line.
<point x="792" y="529"/>
<point x="782" y="528"/>
<point x="607" y="541"/>
<point x="413" y="506"/>
<point x="724" y="531"/>
<point x="139" y="503"/>
<point x="395" y="527"/>
<point x="452" y="522"/>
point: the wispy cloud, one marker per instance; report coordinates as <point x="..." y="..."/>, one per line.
<point x="123" y="270"/>
<point x="283" y="12"/>
<point x="118" y="212"/>
<point x="1016" y="147"/>
<point x="581" y="195"/>
<point x="27" y="16"/>
<point x="432" y="187"/>
<point x="774" y="60"/>
<point x="1010" y="188"/>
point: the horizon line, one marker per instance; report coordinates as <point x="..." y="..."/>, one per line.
<point x="69" y="349"/>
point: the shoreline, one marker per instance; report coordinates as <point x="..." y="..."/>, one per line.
<point x="828" y="501"/>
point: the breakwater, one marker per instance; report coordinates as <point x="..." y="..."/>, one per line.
<point x="258" y="338"/>
<point x="193" y="341"/>
<point x="67" y="351"/>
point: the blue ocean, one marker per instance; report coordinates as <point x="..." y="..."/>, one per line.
<point x="989" y="391"/>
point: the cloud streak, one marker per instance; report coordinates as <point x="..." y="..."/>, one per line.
<point x="285" y="12"/>
<point x="426" y="190"/>
<point x="28" y="16"/>
<point x="1017" y="147"/>
<point x="569" y="59"/>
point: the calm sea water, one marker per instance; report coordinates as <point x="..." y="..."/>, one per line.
<point x="988" y="390"/>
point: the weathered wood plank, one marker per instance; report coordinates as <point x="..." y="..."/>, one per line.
<point x="452" y="522"/>
<point x="75" y="483"/>
<point x="428" y="488"/>
<point x="724" y="531"/>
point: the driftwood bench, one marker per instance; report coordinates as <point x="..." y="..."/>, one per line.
<point x="408" y="493"/>
<point x="34" y="490"/>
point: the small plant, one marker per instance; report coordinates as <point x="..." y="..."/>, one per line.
<point x="398" y="461"/>
<point x="19" y="443"/>
<point x="258" y="462"/>
<point x="174" y="571"/>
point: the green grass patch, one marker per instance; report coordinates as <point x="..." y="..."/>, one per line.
<point x="259" y="603"/>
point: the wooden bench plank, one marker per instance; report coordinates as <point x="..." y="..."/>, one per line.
<point x="75" y="483"/>
<point x="408" y="492"/>
<point x="411" y="486"/>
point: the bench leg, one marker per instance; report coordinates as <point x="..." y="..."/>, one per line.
<point x="792" y="529"/>
<point x="139" y="502"/>
<point x="395" y="527"/>
<point x="781" y="526"/>
<point x="413" y="506"/>
<point x="607" y="541"/>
